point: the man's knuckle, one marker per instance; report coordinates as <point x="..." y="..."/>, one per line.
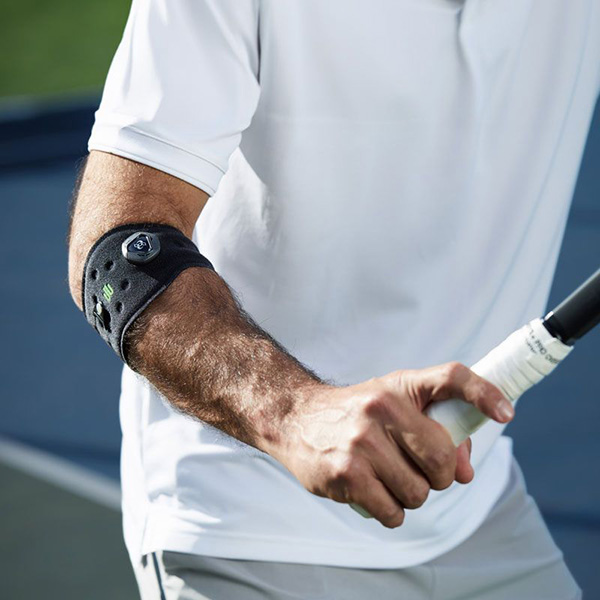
<point x="345" y="473"/>
<point x="492" y="392"/>
<point x="379" y="404"/>
<point x="391" y="517"/>
<point x="440" y="458"/>
<point x="394" y="378"/>
<point x="359" y="444"/>
<point x="412" y="500"/>
<point x="443" y="482"/>
<point x="416" y="495"/>
<point x="454" y="370"/>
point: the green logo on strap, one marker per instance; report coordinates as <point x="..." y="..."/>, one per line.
<point x="108" y="291"/>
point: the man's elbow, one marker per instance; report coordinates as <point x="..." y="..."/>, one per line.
<point x="75" y="265"/>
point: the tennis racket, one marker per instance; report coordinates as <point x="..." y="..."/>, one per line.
<point x="523" y="359"/>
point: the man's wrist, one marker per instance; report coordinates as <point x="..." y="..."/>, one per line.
<point x="278" y="428"/>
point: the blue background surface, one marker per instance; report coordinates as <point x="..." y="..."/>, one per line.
<point x="61" y="384"/>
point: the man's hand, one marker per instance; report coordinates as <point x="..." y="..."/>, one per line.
<point x="371" y="444"/>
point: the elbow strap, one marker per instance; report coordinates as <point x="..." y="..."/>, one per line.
<point x="126" y="269"/>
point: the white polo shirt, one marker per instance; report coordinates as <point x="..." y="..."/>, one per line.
<point x="390" y="184"/>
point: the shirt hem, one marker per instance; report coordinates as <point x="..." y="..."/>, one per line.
<point x="149" y="150"/>
<point x="169" y="533"/>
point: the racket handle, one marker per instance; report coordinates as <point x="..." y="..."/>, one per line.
<point x="523" y="359"/>
<point x="460" y="419"/>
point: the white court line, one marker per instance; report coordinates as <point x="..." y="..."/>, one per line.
<point x="62" y="473"/>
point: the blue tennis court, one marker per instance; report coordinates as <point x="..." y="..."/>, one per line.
<point x="61" y="387"/>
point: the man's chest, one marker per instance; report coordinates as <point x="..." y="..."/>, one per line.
<point x="412" y="60"/>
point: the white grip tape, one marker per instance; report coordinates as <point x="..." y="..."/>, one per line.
<point x="523" y="359"/>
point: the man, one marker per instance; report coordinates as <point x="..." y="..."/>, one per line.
<point x="389" y="185"/>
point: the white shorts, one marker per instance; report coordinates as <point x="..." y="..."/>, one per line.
<point x="510" y="557"/>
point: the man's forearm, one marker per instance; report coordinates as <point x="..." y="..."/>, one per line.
<point x="194" y="342"/>
<point x="199" y="349"/>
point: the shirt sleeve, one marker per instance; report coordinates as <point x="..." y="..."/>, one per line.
<point x="182" y="87"/>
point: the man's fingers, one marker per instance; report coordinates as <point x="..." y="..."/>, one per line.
<point x="455" y="380"/>
<point x="464" y="470"/>
<point x="398" y="473"/>
<point x="376" y="499"/>
<point x="429" y="445"/>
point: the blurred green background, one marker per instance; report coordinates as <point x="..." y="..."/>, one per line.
<point x="58" y="46"/>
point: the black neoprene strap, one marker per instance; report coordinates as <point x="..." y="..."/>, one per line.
<point x="116" y="288"/>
